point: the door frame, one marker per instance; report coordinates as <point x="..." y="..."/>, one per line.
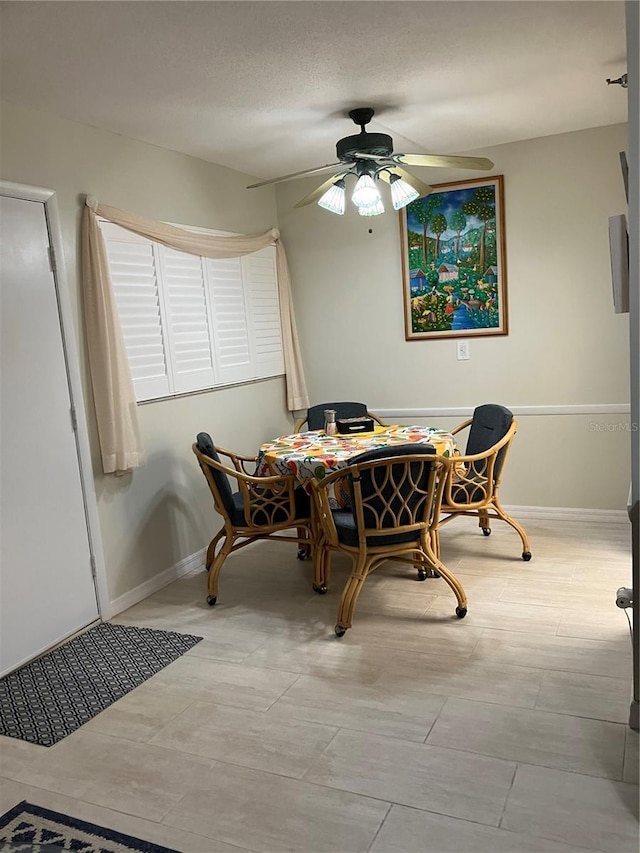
<point x="47" y="197"/>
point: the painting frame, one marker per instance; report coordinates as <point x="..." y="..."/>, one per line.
<point x="467" y="298"/>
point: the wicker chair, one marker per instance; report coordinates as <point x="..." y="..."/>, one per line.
<point x="315" y="414"/>
<point x="396" y="493"/>
<point x="473" y="482"/>
<point x="263" y="508"/>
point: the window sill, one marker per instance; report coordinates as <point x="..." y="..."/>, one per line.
<point x="208" y="390"/>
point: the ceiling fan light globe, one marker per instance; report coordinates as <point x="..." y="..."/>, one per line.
<point x="334" y="200"/>
<point x="365" y="192"/>
<point x="374" y="209"/>
<point x="402" y="193"/>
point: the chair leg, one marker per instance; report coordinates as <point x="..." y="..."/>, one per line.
<point x="211" y="550"/>
<point x="350" y="594"/>
<point x="526" y="550"/>
<point x="216" y="566"/>
<point x="304" y="548"/>
<point x="423" y="572"/>
<point x="483" y="522"/>
<point x="434" y="541"/>
<point x="456" y="586"/>
<point x="433" y="547"/>
<point x="327" y="567"/>
<point x="321" y="569"/>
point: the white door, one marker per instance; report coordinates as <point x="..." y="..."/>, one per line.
<point x="46" y="585"/>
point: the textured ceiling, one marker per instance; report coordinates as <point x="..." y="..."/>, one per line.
<point x="263" y="87"/>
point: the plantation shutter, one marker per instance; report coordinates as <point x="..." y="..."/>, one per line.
<point x="229" y="310"/>
<point x="134" y="275"/>
<point x="191" y="323"/>
<point x="187" y="320"/>
<point x="261" y="288"/>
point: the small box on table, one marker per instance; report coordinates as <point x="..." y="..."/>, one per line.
<point x="352" y="426"/>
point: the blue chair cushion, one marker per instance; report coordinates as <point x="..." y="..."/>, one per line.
<point x="348" y="532"/>
<point x="408" y="449"/>
<point x="490" y="423"/>
<point x="205" y="445"/>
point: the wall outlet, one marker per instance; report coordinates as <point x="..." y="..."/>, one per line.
<point x="463" y="350"/>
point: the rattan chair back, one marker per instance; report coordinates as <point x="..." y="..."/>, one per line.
<point x="396" y="495"/>
<point x="472" y="486"/>
<point x="261" y="508"/>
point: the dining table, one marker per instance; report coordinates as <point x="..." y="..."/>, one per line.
<point x="315" y="454"/>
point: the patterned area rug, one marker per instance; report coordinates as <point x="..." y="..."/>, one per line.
<point x="54" y="695"/>
<point x="31" y="829"/>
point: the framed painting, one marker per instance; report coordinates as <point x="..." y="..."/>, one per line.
<point x="453" y="261"/>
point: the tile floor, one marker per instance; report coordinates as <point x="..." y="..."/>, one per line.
<point x="500" y="733"/>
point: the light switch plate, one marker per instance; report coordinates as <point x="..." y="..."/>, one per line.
<point x="463" y="350"/>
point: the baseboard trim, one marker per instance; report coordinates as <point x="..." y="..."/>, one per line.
<point x="563" y="513"/>
<point x="194" y="562"/>
<point x="183" y="567"/>
<point x="461" y="412"/>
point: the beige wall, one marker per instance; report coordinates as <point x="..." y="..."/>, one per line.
<point x="162" y="513"/>
<point x="565" y="344"/>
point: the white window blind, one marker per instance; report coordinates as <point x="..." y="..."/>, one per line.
<point x="193" y="323"/>
<point x="133" y="267"/>
<point x="231" y="330"/>
<point x="187" y="320"/>
<point x="261" y="285"/>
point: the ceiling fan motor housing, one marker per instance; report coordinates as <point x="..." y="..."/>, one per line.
<point x="377" y="144"/>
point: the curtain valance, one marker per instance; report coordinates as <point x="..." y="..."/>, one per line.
<point x="113" y="391"/>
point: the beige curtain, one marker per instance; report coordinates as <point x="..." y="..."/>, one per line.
<point x="113" y="391"/>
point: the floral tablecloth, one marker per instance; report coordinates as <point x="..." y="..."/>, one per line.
<point x="316" y="454"/>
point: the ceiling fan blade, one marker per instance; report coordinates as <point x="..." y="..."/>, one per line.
<point x="294" y="175"/>
<point x="446" y="161"/>
<point x="321" y="190"/>
<point x="418" y="185"/>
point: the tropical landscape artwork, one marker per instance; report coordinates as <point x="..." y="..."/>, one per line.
<point x="454" y="268"/>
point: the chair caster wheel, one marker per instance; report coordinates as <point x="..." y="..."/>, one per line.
<point x="321" y="590"/>
<point x="211" y="600"/>
<point x="423" y="574"/>
<point x="461" y="612"/>
<point x="486" y="531"/>
<point x="340" y="632"/>
<point x="526" y="556"/>
<point x="302" y="554"/>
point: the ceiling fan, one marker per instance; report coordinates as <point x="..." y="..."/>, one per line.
<point x="370" y="157"/>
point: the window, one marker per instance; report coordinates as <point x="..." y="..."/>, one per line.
<point x="192" y="323"/>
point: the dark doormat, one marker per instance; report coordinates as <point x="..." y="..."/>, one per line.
<point x="32" y="829"/>
<point x="47" y="699"/>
